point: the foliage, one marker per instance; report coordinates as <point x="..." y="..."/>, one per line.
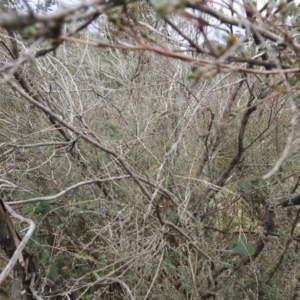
<point x="155" y="147"/>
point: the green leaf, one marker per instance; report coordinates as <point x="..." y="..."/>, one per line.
<point x="28" y="208"/>
<point x="79" y="209"/>
<point x="92" y="205"/>
<point x="62" y="212"/>
<point x="111" y="125"/>
<point x="101" y="273"/>
<point x="171" y="268"/>
<point x="43" y="207"/>
<point x="243" y="186"/>
<point x="168" y="262"/>
<point x="241" y="246"/>
<point x="28" y="32"/>
<point x="237" y="240"/>
<point x="44" y="256"/>
<point x="53" y="271"/>
<point x="244" y="249"/>
<point x="167" y="211"/>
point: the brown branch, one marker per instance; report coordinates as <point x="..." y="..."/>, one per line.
<point x="286" y="247"/>
<point x="192" y="43"/>
<point x="181" y="232"/>
<point x="216" y="138"/>
<point x="220" y="181"/>
<point x="229" y="232"/>
<point x="215" y="67"/>
<point x="255" y="62"/>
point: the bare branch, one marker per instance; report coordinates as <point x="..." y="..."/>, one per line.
<point x="75" y="186"/>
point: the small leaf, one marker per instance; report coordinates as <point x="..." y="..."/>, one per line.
<point x="244" y="249"/>
<point x="62" y="212"/>
<point x="171" y="268"/>
<point x="79" y="209"/>
<point x="44" y="256"/>
<point x="43" y="208"/>
<point x="92" y="205"/>
<point x="53" y="271"/>
<point x="237" y="240"/>
<point x="27" y="208"/>
<point x="241" y="246"/>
